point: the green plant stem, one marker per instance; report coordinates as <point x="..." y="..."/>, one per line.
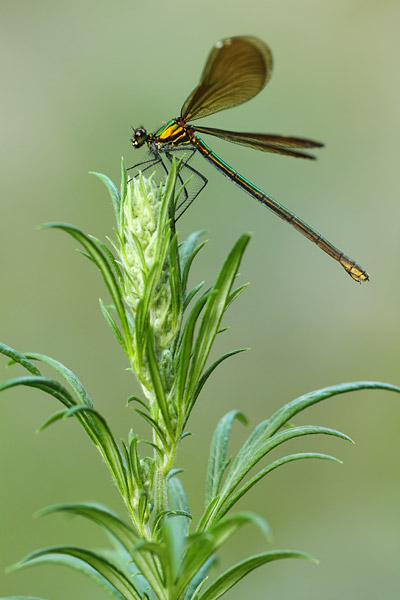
<point x="169" y="355"/>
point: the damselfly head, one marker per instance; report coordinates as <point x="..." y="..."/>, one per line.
<point x="139" y="137"/>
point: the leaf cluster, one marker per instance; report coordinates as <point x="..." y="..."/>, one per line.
<point x="158" y="552"/>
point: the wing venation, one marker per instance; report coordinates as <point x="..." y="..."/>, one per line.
<point x="236" y="70"/>
<point x="266" y="142"/>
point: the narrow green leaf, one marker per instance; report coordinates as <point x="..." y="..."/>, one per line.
<point x="257" y="446"/>
<point x="155" y="526"/>
<point x="211" y="318"/>
<point x="226" y="527"/>
<point x="189" y="297"/>
<point x="202" y="546"/>
<point x="157" y="382"/>
<point x="19" y="358"/>
<point x="208" y="515"/>
<point x="199" y="580"/>
<point x="50" y="386"/>
<point x="232" y="576"/>
<point x="174" y="528"/>
<point x="67" y="374"/>
<point x="55" y="389"/>
<point x="108" y="446"/>
<point x="107" y="573"/>
<point x="134" y="472"/>
<point x="289" y="410"/>
<point x="142" y="309"/>
<point x="175" y="281"/>
<point x="153" y="548"/>
<point x="104" y="267"/>
<point x="53" y="419"/>
<point x="223" y="329"/>
<point x="187" y="247"/>
<point x="113" y="326"/>
<point x="217" y="459"/>
<point x="155" y="426"/>
<point x="235" y="294"/>
<point x="85" y="255"/>
<point x="110" y="257"/>
<point x="101" y="515"/>
<point x="174" y="472"/>
<point x="178" y="503"/>
<point x="185" y="351"/>
<point x="187" y="252"/>
<point x="157" y="553"/>
<point x="112" y="190"/>
<point x="274" y="465"/>
<point x="177" y="496"/>
<point x="212" y="368"/>
<point x="168" y="195"/>
<point x="138" y="400"/>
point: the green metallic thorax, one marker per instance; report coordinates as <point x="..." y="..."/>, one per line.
<point x="172" y="134"/>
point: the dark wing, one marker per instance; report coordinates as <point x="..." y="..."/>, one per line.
<point x="280" y="144"/>
<point x="236" y="70"/>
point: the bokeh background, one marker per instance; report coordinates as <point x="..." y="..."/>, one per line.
<point x="75" y="76"/>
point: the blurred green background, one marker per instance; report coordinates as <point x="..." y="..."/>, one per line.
<point x="75" y="76"/>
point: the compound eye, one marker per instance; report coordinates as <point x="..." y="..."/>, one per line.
<point x="139" y="137"/>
